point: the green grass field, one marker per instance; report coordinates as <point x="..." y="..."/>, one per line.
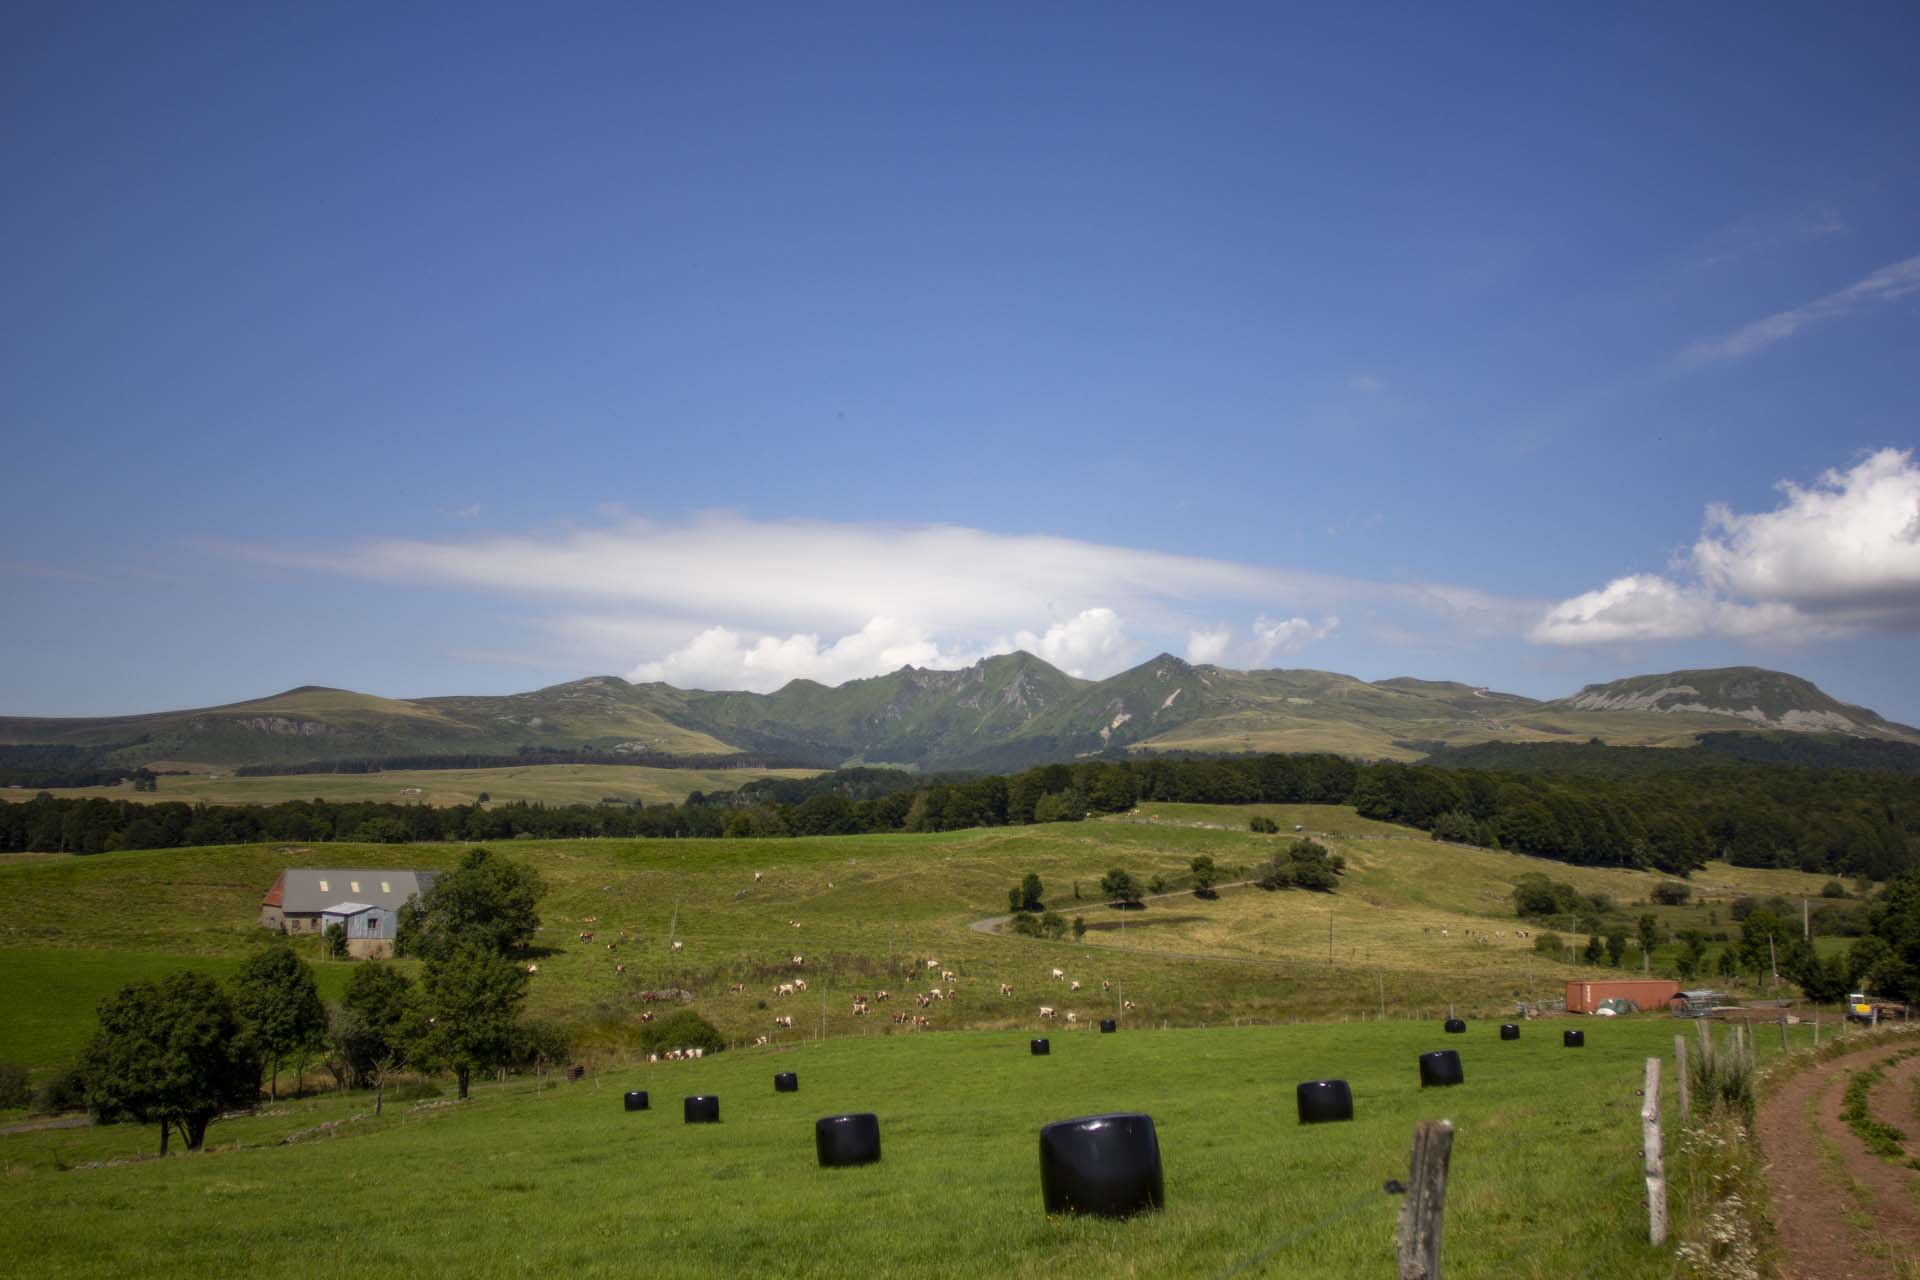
<point x="52" y="994"/>
<point x="866" y="912"/>
<point x="557" y="1178"/>
<point x="546" y="783"/>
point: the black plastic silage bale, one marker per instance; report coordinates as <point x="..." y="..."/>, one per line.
<point x="702" y="1109"/>
<point x="786" y="1082"/>
<point x="1040" y="1048"/>
<point x="1456" y="1027"/>
<point x="1109" y="1026"/>
<point x="1441" y="1067"/>
<point x="844" y="1141"/>
<point x="1107" y="1165"/>
<point x="1509" y="1031"/>
<point x="637" y="1100"/>
<point x="1321" y="1101"/>
<point x="1571" y="1039"/>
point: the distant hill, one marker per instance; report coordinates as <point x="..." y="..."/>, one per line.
<point x="1003" y="712"/>
<point x="1761" y="698"/>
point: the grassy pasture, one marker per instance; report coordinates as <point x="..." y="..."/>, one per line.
<point x="871" y="909"/>
<point x="1545" y="1166"/>
<point x="546" y="783"/>
<point x="52" y="994"/>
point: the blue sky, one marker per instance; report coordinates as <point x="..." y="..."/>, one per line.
<point x="469" y="348"/>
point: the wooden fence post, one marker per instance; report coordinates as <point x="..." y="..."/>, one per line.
<point x="1783" y="1033"/>
<point x="1816" y="1031"/>
<point x="1418" y="1239"/>
<point x="1655" y="1163"/>
<point x="1680" y="1076"/>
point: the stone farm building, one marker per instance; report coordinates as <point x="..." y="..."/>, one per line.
<point x="365" y="901"/>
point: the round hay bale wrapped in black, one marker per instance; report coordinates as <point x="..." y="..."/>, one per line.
<point x="702" y="1109"/>
<point x="1321" y="1101"/>
<point x="1108" y="1026"/>
<point x="1456" y="1027"/>
<point x="1571" y="1039"/>
<point x="786" y="1082"/>
<point x="1107" y="1165"/>
<point x="1441" y="1067"/>
<point x="637" y="1100"/>
<point x="844" y="1141"/>
<point x="1509" y="1031"/>
<point x="1040" y="1048"/>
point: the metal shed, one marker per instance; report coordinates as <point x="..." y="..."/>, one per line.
<point x="370" y="928"/>
<point x="1647" y="993"/>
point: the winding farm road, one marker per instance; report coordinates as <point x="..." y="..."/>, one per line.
<point x="1841" y="1212"/>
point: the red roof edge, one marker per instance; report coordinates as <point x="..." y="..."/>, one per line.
<point x="273" y="895"/>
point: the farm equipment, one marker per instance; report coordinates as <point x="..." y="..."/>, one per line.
<point x="1864" y="1008"/>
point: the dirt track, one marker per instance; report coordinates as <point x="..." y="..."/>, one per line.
<point x="1841" y="1212"/>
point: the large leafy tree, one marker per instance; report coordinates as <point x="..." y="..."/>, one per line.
<point x="1118" y="885"/>
<point x="1895" y="920"/>
<point x="470" y="997"/>
<point x="275" y="996"/>
<point x="371" y="1027"/>
<point x="171" y="1053"/>
<point x="488" y="901"/>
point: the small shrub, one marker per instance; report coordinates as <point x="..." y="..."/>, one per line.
<point x="1263" y="826"/>
<point x="14" y="1091"/>
<point x="1833" y="889"/>
<point x="1549" y="943"/>
<point x="64" y="1090"/>
<point x="681" y="1029"/>
<point x="1671" y="893"/>
<point x="537" y="1041"/>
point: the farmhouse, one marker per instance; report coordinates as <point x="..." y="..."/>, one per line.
<point x="302" y="896"/>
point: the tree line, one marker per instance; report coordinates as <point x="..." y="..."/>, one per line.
<point x="1832" y="821"/>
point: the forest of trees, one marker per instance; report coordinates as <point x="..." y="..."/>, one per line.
<point x="1833" y="821"/>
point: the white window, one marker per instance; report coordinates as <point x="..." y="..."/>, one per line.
<point x="353" y="886"/>
<point x="385" y="887"/>
<point x="323" y="886"/>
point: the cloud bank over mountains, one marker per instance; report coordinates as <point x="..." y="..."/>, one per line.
<point x="1837" y="556"/>
<point x="724" y="601"/>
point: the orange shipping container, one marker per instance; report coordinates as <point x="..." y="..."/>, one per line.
<point x="1647" y="993"/>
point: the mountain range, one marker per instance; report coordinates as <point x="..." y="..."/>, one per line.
<point x="1002" y="712"/>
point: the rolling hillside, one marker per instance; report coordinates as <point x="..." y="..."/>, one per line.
<point x="1003" y="712"/>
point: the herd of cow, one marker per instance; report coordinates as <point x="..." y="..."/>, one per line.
<point x="862" y="1004"/>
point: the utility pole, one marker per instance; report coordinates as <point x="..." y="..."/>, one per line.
<point x="1773" y="961"/>
<point x="1329" y="935"/>
<point x="1806" y="921"/>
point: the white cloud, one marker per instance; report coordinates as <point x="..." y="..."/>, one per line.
<point x="1847" y="547"/>
<point x="1271" y="638"/>
<point x="1275" y="639"/>
<point x="1209" y="646"/>
<point x="720" y="658"/>
<point x="1885" y="285"/>
<point x="1839" y="555"/>
<point x="1088" y="641"/>
<point x="727" y="601"/>
<point x="1649" y="607"/>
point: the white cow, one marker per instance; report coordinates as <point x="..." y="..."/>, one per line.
<point x="1059" y="974"/>
<point x="1074" y="986"/>
<point x="1046" y="1011"/>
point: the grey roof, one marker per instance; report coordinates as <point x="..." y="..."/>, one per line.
<point x="310" y="890"/>
<point x="347" y="909"/>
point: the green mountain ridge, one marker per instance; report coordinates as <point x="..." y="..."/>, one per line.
<point x="1002" y="712"/>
